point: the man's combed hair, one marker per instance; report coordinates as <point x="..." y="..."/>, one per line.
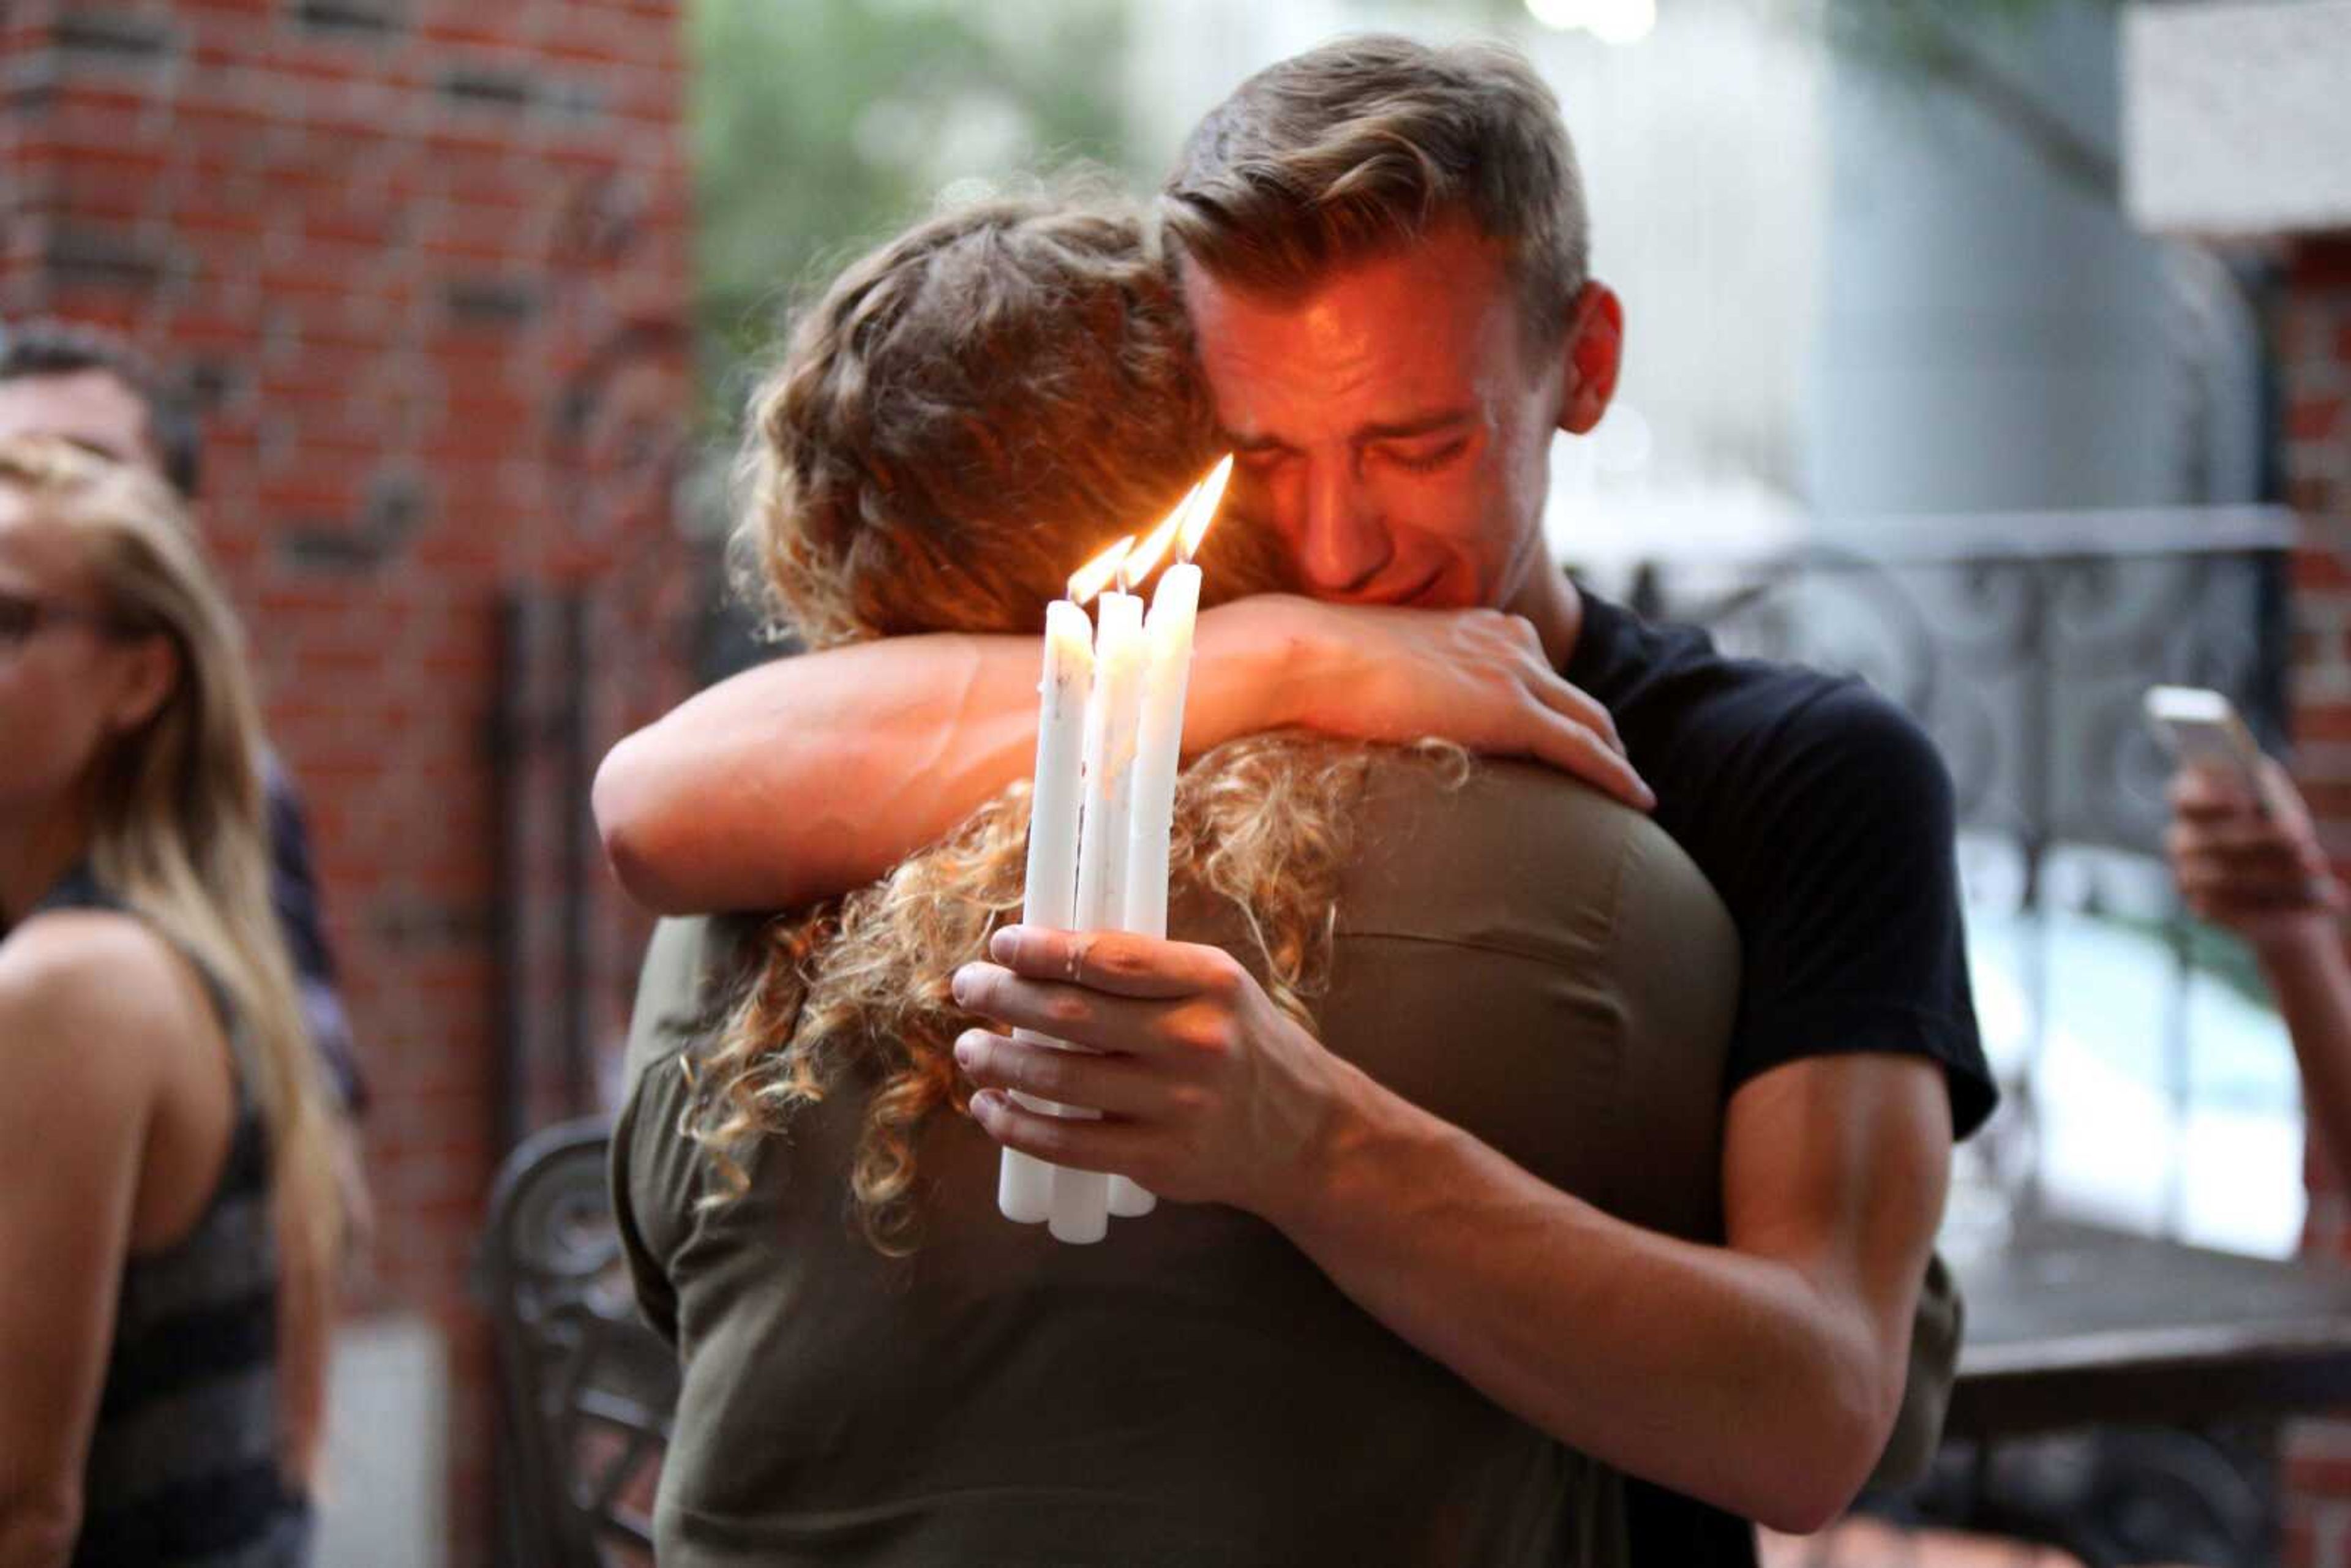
<point x="50" y="346"/>
<point x="1354" y="150"/>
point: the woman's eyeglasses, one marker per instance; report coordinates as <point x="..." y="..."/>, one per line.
<point x="23" y="618"/>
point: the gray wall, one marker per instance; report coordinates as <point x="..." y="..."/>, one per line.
<point x="1992" y="335"/>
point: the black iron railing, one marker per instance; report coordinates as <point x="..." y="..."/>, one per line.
<point x="2024" y="646"/>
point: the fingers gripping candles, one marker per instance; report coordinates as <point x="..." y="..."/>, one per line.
<point x="1110" y="731"/>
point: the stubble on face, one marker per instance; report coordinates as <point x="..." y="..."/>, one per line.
<point x="1395" y="428"/>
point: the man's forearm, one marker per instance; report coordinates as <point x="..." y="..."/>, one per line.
<point x="1727" y="1376"/>
<point x="38" y="1534"/>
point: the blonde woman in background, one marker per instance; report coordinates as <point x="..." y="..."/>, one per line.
<point x="168" y="1207"/>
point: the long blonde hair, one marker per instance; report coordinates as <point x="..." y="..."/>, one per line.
<point x="180" y="833"/>
<point x="970" y="411"/>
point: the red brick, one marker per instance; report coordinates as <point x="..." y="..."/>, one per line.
<point x="2313" y="418"/>
<point x="2323" y="263"/>
<point x="284" y="166"/>
<point x="2326" y="722"/>
<point x="2320" y="572"/>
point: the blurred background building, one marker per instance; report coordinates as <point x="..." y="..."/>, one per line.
<point x="2044" y="302"/>
<point x="426" y="268"/>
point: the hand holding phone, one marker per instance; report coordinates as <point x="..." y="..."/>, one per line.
<point x="2240" y="843"/>
<point x="2202" y="730"/>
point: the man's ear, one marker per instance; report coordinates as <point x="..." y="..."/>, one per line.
<point x="147" y="670"/>
<point x="1595" y="351"/>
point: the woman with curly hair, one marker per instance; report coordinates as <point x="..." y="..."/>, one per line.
<point x="168" y="1202"/>
<point x="881" y="1369"/>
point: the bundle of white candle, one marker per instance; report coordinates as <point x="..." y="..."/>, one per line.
<point x="1110" y="732"/>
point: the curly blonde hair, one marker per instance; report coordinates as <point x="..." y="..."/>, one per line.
<point x="971" y="410"/>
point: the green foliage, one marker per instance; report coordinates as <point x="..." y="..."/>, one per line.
<point x="821" y="126"/>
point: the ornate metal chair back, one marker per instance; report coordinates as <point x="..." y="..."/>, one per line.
<point x="585" y="1390"/>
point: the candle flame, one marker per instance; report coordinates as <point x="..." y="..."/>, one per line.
<point x="1140" y="560"/>
<point x="1200" y="508"/>
<point x="1094" y="575"/>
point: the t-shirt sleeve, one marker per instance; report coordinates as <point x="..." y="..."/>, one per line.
<point x="1850" y="917"/>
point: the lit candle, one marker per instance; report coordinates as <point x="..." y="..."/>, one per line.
<point x="1081" y="1206"/>
<point x="1159" y="736"/>
<point x="1049" y="897"/>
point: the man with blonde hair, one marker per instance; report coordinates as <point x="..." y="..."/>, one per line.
<point x="1382" y="247"/>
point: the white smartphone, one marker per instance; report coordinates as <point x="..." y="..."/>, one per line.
<point x="2201" y="727"/>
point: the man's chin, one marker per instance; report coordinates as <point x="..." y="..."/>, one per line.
<point x="1431" y="592"/>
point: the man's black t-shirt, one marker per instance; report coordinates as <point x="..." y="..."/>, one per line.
<point x="1824" y="817"/>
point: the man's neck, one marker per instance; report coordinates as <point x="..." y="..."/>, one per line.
<point x="1549" y="598"/>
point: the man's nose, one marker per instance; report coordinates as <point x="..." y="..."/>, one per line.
<point x="1342" y="541"/>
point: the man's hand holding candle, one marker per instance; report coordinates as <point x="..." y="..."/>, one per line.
<point x="1208" y="1092"/>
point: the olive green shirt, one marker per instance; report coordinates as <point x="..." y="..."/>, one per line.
<point x="1520" y="956"/>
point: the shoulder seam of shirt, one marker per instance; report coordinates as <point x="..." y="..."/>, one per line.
<point x="1467" y="944"/>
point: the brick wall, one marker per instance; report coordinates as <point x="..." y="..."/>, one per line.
<point x="2313" y="343"/>
<point x="425" y="261"/>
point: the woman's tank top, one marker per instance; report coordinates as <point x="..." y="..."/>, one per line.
<point x="183" y="1468"/>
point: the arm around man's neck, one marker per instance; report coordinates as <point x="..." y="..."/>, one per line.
<point x="813" y="775"/>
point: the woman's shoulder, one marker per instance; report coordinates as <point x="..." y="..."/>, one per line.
<point x="94" y="1000"/>
<point x="1512" y="845"/>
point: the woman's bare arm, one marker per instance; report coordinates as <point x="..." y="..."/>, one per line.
<point x="810" y="775"/>
<point x="813" y="775"/>
<point x="78" y="1009"/>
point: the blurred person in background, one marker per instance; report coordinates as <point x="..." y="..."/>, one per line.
<point x="87" y="385"/>
<point x="169" y="1213"/>
<point x="2249" y="860"/>
<point x="1382" y="248"/>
